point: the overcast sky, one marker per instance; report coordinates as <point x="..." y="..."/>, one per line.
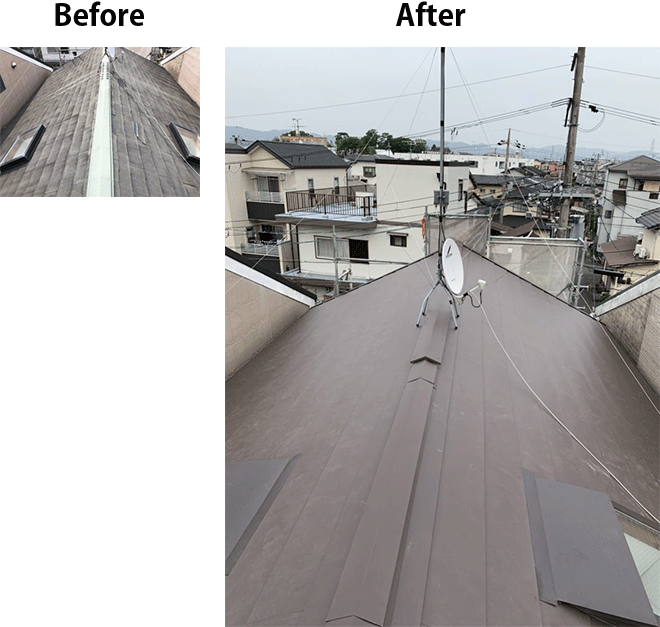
<point x="287" y="83"/>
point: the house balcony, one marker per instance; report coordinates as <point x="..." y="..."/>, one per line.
<point x="335" y="204"/>
<point x="264" y="205"/>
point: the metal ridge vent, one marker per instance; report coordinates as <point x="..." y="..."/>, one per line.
<point x="100" y="180"/>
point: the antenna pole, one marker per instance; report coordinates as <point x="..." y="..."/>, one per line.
<point x="441" y="208"/>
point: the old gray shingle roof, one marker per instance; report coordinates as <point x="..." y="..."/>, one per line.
<point x="407" y="504"/>
<point x="148" y="163"/>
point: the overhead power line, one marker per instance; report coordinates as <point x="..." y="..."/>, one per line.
<point x="370" y="100"/>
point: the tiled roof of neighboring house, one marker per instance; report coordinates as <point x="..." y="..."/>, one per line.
<point x="300" y="156"/>
<point x="404" y="500"/>
<point x="619" y="253"/>
<point x="488" y="179"/>
<point x="639" y="167"/>
<point x="233" y="147"/>
<point x="650" y="219"/>
<point x="145" y="100"/>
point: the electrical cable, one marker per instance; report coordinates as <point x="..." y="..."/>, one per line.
<point x="557" y="419"/>
<point x="371" y="100"/>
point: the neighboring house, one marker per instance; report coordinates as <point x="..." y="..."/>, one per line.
<point x="304" y="139"/>
<point x="54" y="57"/>
<point x="259" y="305"/>
<point x="489" y="185"/>
<point x="631" y="188"/>
<point x="362" y="170"/>
<point x="380" y="473"/>
<point x="20" y="78"/>
<point x="649" y="245"/>
<point x="479" y="164"/>
<point x="265" y="179"/>
<point x="352" y="245"/>
<point x="623" y="255"/>
<point x="184" y="66"/>
<point x="103" y="125"/>
<point x="633" y="317"/>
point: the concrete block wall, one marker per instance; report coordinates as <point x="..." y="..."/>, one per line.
<point x="254" y="316"/>
<point x="636" y="326"/>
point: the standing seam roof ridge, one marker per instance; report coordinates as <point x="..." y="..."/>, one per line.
<point x="370" y="574"/>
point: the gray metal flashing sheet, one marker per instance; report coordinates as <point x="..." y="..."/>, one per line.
<point x="250" y="488"/>
<point x="581" y="554"/>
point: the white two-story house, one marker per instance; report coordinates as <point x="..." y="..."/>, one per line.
<point x="258" y="179"/>
<point x="631" y="189"/>
<point x="346" y="241"/>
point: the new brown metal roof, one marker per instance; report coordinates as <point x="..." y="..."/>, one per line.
<point x="407" y="504"/>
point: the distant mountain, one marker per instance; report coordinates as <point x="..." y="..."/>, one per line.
<point x="555" y="152"/>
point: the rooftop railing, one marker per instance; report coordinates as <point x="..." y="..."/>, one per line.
<point x="359" y="201"/>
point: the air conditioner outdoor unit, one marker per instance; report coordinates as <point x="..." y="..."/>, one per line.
<point x="641" y="252"/>
<point x="528" y="215"/>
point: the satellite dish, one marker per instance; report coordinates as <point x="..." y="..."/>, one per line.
<point x="452" y="266"/>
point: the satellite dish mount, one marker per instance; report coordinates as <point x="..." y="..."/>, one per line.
<point x="450" y="277"/>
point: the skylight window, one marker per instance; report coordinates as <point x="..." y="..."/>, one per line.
<point x="188" y="143"/>
<point x="23" y="148"/>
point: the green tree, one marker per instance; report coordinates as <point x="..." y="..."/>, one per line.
<point x="419" y="145"/>
<point x="369" y="142"/>
<point x="346" y="143"/>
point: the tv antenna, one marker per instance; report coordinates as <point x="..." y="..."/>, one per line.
<point x="450" y="264"/>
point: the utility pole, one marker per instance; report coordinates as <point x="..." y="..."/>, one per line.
<point x="578" y="66"/>
<point x="506" y="163"/>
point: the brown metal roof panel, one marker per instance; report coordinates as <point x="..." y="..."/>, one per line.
<point x="456" y="585"/>
<point x="409" y="595"/>
<point x="366" y="582"/>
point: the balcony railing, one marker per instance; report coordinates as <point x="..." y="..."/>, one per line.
<point x="344" y="201"/>
<point x="273" y="197"/>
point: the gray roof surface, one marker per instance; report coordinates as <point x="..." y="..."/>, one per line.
<point x="640" y="167"/>
<point x="650" y="219"/>
<point x="619" y="253"/>
<point x="488" y="179"/>
<point x="142" y="93"/>
<point x="407" y="504"/>
<point x="300" y="156"/>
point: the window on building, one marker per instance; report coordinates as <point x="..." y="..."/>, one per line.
<point x="619" y="196"/>
<point x="2" y="85"/>
<point x="358" y="250"/>
<point x="324" y="248"/>
<point x="23" y="148"/>
<point x="607" y="214"/>
<point x="460" y="189"/>
<point x="623" y="183"/>
<point x="369" y="171"/>
<point x="397" y="239"/>
<point x="310" y="185"/>
<point x="189" y="143"/>
<point x="268" y="184"/>
<point x="653" y="195"/>
<point x="336" y="184"/>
